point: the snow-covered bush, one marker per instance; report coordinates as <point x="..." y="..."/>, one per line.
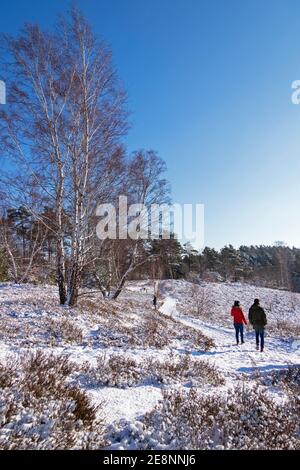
<point x="152" y="331"/>
<point x="97" y="306"/>
<point x="184" y="369"/>
<point x="159" y="330"/>
<point x="12" y="330"/>
<point x="64" y="330"/>
<point x="200" y="303"/>
<point x="8" y="371"/>
<point x="287" y="379"/>
<point x="156" y="331"/>
<point x="285" y="329"/>
<point x="244" y="418"/>
<point x="40" y="409"/>
<point x="118" y="370"/>
<point x="194" y="338"/>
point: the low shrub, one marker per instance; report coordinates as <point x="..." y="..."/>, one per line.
<point x="63" y="330"/>
<point x="121" y="371"/>
<point x="242" y="419"/>
<point x="39" y="409"/>
<point x="184" y="369"/>
<point x="287" y="379"/>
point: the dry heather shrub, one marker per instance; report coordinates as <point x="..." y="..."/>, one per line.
<point x="200" y="302"/>
<point x="100" y="307"/>
<point x="288" y="380"/>
<point x="156" y="331"/>
<point x="40" y="410"/>
<point x="184" y="369"/>
<point x="115" y="371"/>
<point x="83" y="410"/>
<point x="43" y="374"/>
<point x="199" y="340"/>
<point x="195" y="338"/>
<point x="152" y="332"/>
<point x="8" y="371"/>
<point x="159" y="331"/>
<point x="285" y="329"/>
<point x="120" y="371"/>
<point x="87" y="305"/>
<point x="291" y="379"/>
<point x="115" y="333"/>
<point x="11" y="329"/>
<point x="242" y="419"/>
<point x="64" y="330"/>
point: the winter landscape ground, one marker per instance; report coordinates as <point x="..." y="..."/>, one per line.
<point x="119" y="375"/>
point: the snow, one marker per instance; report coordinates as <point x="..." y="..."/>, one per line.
<point x="26" y="310"/>
<point x="128" y="403"/>
<point x="243" y="358"/>
<point x="169" y="307"/>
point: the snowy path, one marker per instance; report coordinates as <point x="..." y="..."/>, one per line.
<point x="234" y="359"/>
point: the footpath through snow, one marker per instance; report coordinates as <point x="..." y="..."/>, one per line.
<point x="234" y="359"/>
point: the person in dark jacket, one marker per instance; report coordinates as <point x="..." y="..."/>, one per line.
<point x="239" y="321"/>
<point x="258" y="319"/>
<point x="154" y="301"/>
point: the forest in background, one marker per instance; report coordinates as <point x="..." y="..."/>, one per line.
<point x="28" y="254"/>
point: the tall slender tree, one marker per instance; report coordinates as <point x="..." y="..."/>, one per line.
<point x="62" y="130"/>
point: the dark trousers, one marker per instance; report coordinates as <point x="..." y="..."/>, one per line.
<point x="239" y="330"/>
<point x="260" y="335"/>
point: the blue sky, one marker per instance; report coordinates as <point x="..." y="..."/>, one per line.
<point x="209" y="85"/>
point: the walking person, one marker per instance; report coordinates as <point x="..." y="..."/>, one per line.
<point x="258" y="319"/>
<point x="239" y="321"/>
<point x="154" y="301"/>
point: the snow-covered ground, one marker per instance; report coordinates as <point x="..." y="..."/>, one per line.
<point x="232" y="359"/>
<point x="31" y="319"/>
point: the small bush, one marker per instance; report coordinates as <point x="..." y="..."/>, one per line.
<point x="194" y="338"/>
<point x="8" y="371"/>
<point x="199" y="340"/>
<point x="83" y="409"/>
<point x="152" y="331"/>
<point x="64" y="330"/>
<point x="3" y="266"/>
<point x="45" y="374"/>
<point x="40" y="410"/>
<point x="120" y="371"/>
<point x="288" y="380"/>
<point x="242" y="419"/>
<point x="156" y="331"/>
<point x="184" y="369"/>
<point x="161" y="330"/>
<point x="286" y="329"/>
<point x="114" y="371"/>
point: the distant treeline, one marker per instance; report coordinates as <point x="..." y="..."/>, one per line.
<point x="276" y="266"/>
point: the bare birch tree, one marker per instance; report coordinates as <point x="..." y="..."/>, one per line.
<point x="62" y="128"/>
<point x="146" y="185"/>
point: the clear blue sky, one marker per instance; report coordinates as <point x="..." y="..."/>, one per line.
<point x="209" y="86"/>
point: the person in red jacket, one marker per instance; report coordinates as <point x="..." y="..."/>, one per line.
<point x="238" y="320"/>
